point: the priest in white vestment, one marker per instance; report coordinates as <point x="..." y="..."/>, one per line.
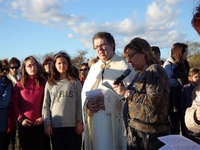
<point x="103" y="114"/>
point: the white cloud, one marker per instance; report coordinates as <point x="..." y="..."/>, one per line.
<point x="171" y="2"/>
<point x="70" y="36"/>
<point x="159" y="27"/>
<point x="160" y="13"/>
<point x="47" y="12"/>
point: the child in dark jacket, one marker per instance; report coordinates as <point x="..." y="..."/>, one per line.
<point x="186" y="100"/>
<point x="5" y="96"/>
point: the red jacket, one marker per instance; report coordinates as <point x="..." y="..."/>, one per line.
<point x="27" y="103"/>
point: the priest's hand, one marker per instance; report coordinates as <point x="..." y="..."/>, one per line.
<point x="100" y="102"/>
<point x="93" y="105"/>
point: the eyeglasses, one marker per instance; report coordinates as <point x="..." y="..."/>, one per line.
<point x="101" y="46"/>
<point x="31" y="65"/>
<point x="129" y="57"/>
<point x="15" y="67"/>
<point x="85" y="69"/>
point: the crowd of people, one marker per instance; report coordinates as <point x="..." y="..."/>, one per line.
<point x="98" y="105"/>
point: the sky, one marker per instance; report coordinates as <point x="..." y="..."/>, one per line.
<point x="38" y="27"/>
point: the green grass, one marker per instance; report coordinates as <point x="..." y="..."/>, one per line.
<point x="17" y="147"/>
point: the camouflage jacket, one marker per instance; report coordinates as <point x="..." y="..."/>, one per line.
<point x="148" y="100"/>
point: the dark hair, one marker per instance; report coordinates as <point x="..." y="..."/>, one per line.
<point x="162" y="62"/>
<point x="155" y="49"/>
<point x="85" y="64"/>
<point x="14" y="60"/>
<point x="142" y="46"/>
<point x="177" y="51"/>
<point x="5" y="65"/>
<point x="76" y="71"/>
<point x="55" y="75"/>
<point x="1" y="68"/>
<point x="38" y="78"/>
<point x="109" y="38"/>
<point x="196" y="19"/>
<point x="47" y="59"/>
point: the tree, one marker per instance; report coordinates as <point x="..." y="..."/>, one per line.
<point x="194" y="60"/>
<point x="41" y="58"/>
<point x="194" y="54"/>
<point x="79" y="58"/>
<point x="76" y="60"/>
<point x="193" y="48"/>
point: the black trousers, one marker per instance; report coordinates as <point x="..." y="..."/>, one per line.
<point x="79" y="142"/>
<point x="33" y="138"/>
<point x="138" y="140"/>
<point x="176" y="122"/>
<point x="64" y="138"/>
<point x="3" y="141"/>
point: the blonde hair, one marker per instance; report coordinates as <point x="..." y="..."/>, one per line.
<point x="92" y="61"/>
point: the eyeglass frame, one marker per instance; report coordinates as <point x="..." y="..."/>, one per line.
<point x="103" y="45"/>
<point x="129" y="57"/>
<point x="31" y="65"/>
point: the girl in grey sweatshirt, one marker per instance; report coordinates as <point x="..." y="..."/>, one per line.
<point x="62" y="112"/>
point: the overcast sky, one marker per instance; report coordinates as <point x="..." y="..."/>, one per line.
<point x="38" y="27"/>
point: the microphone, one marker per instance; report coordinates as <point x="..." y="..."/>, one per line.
<point x="125" y="74"/>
